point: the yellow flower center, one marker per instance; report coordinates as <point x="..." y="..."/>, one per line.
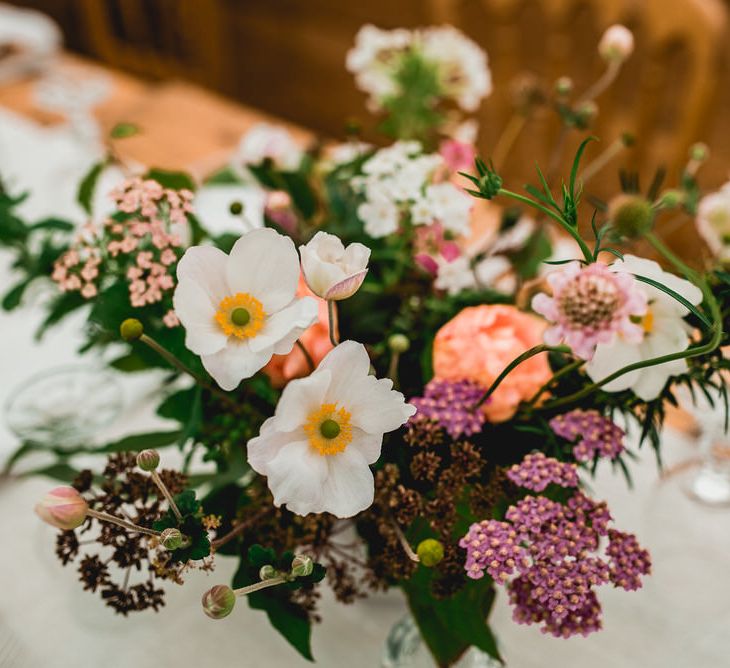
<point x="241" y="316"/>
<point x="647" y="322"/>
<point x="329" y="429"/>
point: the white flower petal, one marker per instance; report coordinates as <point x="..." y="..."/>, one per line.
<point x="235" y="362"/>
<point x="348" y="363"/>
<point x="264" y="447"/>
<point x="652" y="380"/>
<point x="376" y="408"/>
<point x="369" y="445"/>
<point x="265" y="264"/>
<point x="196" y="313"/>
<point x="612" y="357"/>
<point x="297" y="476"/>
<point x="286" y="325"/>
<point x="349" y="486"/>
<point x="301" y="397"/>
<point x="206" y="266"/>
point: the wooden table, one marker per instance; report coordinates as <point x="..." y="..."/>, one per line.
<point x="183" y="125"/>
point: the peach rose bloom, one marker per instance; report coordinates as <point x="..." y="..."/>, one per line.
<point x="480" y="342"/>
<point x="283" y="368"/>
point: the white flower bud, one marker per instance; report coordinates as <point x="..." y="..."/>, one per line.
<point x="332" y="271"/>
<point x="616" y="44"/>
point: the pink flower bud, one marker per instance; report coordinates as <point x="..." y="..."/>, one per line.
<point x="616" y="44"/>
<point x="63" y="508"/>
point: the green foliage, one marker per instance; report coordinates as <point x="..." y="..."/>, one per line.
<point x="451" y="626"/>
<point x="124" y="130"/>
<point x="171" y="179"/>
<point x="412" y="111"/>
<point x="487" y="181"/>
<point x="87" y="187"/>
<point x="285" y="616"/>
<point x="190" y="525"/>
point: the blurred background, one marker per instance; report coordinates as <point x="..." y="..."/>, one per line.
<point x="286" y="58"/>
<point x="195" y="75"/>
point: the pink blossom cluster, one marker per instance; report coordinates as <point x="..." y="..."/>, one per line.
<point x="150" y="200"/>
<point x="452" y="405"/>
<point x="554" y="552"/>
<point x="595" y="434"/>
<point x="536" y="472"/>
<point x="431" y="248"/>
<point x="143" y="245"/>
<point x="77" y="270"/>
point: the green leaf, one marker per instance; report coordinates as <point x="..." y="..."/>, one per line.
<point x="576" y="163"/>
<point x="124" y="130"/>
<point x="129" y="363"/>
<point x="136" y="442"/>
<point x="53" y="224"/>
<point x="675" y="295"/>
<point x="450" y="626"/>
<point x="13" y="297"/>
<point x="59" y="471"/>
<point x="171" y="179"/>
<point x="286" y="617"/>
<point x="85" y="194"/>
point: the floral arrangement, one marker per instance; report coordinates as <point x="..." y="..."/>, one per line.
<point x="400" y="376"/>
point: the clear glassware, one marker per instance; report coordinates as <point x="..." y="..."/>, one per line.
<point x="404" y="648"/>
<point x="64" y="407"/>
<point x="709" y="482"/>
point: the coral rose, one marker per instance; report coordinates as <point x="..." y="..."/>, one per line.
<point x="480" y="342"/>
<point x="283" y="368"/>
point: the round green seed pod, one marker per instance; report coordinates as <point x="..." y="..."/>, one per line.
<point x="430" y="552"/>
<point x="631" y="215"/>
<point x="131" y="329"/>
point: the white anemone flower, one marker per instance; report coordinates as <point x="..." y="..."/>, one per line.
<point x="665" y="332"/>
<point x="332" y="271"/>
<point x="240" y="309"/>
<point x="328" y="428"/>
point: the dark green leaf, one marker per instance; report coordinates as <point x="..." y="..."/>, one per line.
<point x="170" y="179"/>
<point x="85" y="194"/>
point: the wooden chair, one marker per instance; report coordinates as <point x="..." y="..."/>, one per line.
<point x="662" y="96"/>
<point x="161" y="39"/>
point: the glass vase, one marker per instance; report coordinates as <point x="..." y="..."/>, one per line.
<point x="405" y="648"/>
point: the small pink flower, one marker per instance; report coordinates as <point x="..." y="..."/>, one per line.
<point x="63" y="508"/>
<point x="590" y="305"/>
<point x="88" y="291"/>
<point x="168" y="257"/>
<point x="458" y="156"/>
<point x="144" y="259"/>
<point x="170" y="319"/>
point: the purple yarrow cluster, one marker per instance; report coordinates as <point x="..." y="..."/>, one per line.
<point x="536" y="472"/>
<point x="553" y="552"/>
<point x="451" y="404"/>
<point x="596" y="434"/>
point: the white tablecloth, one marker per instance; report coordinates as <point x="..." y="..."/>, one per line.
<point x="679" y="620"/>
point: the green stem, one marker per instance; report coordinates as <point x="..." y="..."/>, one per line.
<point x="166" y="493"/>
<point x="558" y="374"/>
<point x="535" y="350"/>
<point x="307" y="356"/>
<point x="243" y="591"/>
<point x="180" y="366"/>
<point x="332" y="317"/>
<point x="555" y="216"/>
<point x="106" y="517"/>
<point x="695" y="351"/>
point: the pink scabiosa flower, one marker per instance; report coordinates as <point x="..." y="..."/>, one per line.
<point x="590" y="305"/>
<point x="63" y="508"/>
